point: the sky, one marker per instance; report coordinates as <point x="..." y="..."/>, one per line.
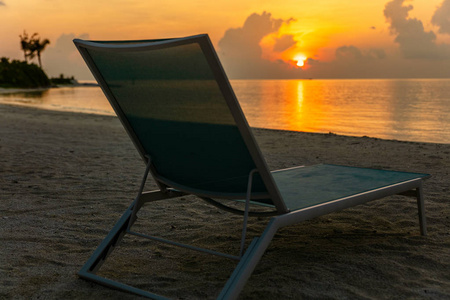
<point x="254" y="39"/>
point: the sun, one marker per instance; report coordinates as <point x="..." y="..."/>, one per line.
<point x="300" y="59"/>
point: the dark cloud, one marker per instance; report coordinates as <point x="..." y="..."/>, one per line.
<point x="63" y="58"/>
<point x="441" y="17"/>
<point x="283" y="43"/>
<point x="351" y="62"/>
<point x="2" y="3"/>
<point x="410" y="34"/>
<point x="240" y="49"/>
<point x="376" y="53"/>
<point x="348" y="52"/>
<point x="244" y="41"/>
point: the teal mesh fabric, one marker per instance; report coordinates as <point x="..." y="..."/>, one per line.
<point x="308" y="186"/>
<point x="174" y="105"/>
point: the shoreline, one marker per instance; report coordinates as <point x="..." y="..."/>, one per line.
<point x="102" y="113"/>
<point x="21" y="90"/>
<point x="14" y="90"/>
<point x="66" y="178"/>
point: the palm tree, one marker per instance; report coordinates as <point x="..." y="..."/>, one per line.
<point x="25" y="45"/>
<point x="38" y="46"/>
<point x="32" y="46"/>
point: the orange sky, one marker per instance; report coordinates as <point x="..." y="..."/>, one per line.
<point x="333" y="34"/>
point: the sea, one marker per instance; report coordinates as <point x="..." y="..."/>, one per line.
<point x="416" y="110"/>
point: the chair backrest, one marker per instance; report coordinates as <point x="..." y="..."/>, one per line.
<point x="179" y="109"/>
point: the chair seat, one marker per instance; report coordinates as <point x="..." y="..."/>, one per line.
<point x="303" y="187"/>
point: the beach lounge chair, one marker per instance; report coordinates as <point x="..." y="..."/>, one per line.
<point x="177" y="105"/>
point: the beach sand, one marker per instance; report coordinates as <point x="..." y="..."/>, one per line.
<point x="66" y="178"/>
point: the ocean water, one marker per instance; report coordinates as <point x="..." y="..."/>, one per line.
<point x="402" y="109"/>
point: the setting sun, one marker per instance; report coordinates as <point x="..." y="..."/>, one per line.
<point x="300" y="59"/>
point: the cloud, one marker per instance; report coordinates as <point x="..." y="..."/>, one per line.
<point x="240" y="49"/>
<point x="414" y="41"/>
<point x="376" y="53"/>
<point x="284" y="42"/>
<point x="2" y="3"/>
<point x="350" y="62"/>
<point x="244" y="41"/>
<point x="63" y="58"/>
<point x="441" y="17"/>
<point x="348" y="52"/>
<point x="353" y="53"/>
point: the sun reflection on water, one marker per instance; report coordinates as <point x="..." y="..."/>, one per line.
<point x="403" y="109"/>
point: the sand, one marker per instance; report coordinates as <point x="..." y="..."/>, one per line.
<point x="66" y="178"/>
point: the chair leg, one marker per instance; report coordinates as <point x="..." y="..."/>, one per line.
<point x="108" y="244"/>
<point x="421" y="208"/>
<point x="90" y="268"/>
<point x="88" y="271"/>
<point x="248" y="262"/>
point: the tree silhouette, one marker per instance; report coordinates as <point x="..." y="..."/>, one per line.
<point x="38" y="46"/>
<point x="25" y="45"/>
<point x="32" y="46"/>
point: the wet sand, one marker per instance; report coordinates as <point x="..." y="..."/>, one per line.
<point x="66" y="178"/>
<point x="20" y="90"/>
